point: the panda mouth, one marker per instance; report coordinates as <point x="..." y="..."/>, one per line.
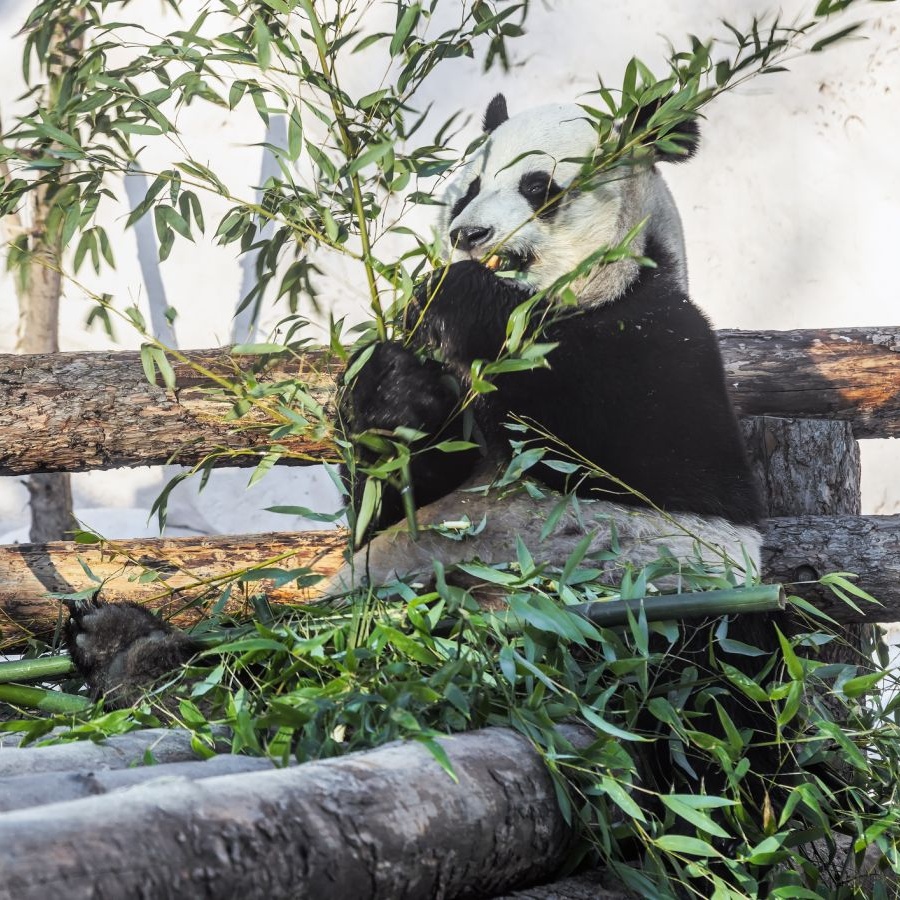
<point x="509" y="261"/>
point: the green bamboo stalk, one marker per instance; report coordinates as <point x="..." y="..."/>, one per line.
<point x="42" y="699"/>
<point x="35" y="669"/>
<point x="695" y="605"/>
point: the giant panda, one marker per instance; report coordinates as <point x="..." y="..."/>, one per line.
<point x="635" y="385"/>
<point x="634" y="388"/>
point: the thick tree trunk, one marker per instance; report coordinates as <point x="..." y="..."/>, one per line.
<point x="40" y="289"/>
<point x="387" y="824"/>
<point x="79" y="411"/>
<point x="795" y="549"/>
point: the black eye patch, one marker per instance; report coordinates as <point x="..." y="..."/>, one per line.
<point x="541" y="192"/>
<point x="466" y="199"/>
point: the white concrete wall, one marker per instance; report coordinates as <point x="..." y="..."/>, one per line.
<point x="791" y="210"/>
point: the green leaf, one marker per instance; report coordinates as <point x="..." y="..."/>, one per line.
<point x="683" y="805"/>
<point x="617" y="793"/>
<point x="404" y="27"/>
<point x="689" y="846"/>
<point x="372" y="155"/>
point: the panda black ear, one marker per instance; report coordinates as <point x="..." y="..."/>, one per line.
<point x="495" y="114"/>
<point x="685" y="135"/>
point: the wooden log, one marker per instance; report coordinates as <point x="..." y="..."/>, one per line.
<point x="804" y="467"/>
<point x="385" y="824"/>
<point x="803" y="548"/>
<point x="79" y="411"/>
<point x="808" y="467"/>
<point x="845" y="374"/>
<point x="189" y="569"/>
<point x="74" y="412"/>
<point x="167" y="745"/>
<point x="23" y="791"/>
<point x="186" y="574"/>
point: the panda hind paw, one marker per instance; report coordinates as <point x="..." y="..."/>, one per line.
<point x="120" y="649"/>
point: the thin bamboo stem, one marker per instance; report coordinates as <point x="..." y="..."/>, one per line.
<point x="35" y="669"/>
<point x="42" y="699"/>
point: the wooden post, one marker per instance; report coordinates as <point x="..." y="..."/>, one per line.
<point x="811" y="467"/>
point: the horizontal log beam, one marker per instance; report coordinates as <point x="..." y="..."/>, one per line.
<point x="180" y="577"/>
<point x="79" y="411"/>
<point x="848" y="374"/>
<point x="189" y="572"/>
<point x="384" y="824"/>
<point x="75" y="412"/>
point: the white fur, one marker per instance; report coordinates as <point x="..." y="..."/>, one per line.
<point x="560" y="139"/>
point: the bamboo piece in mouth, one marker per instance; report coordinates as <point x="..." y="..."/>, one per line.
<point x="493" y="262"/>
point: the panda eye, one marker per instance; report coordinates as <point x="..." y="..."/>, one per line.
<point x="541" y="192"/>
<point x="535" y="185"/>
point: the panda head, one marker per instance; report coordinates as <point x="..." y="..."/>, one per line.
<point x="521" y="205"/>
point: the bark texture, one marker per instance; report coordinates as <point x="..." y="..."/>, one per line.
<point x="73" y="412"/>
<point x="387" y="824"/>
<point x="802" y="548"/>
<point x="39" y="284"/>
<point x="119" y="752"/>
<point x="184" y="571"/>
<point x="844" y="374"/>
<point x="23" y="791"/>
<point x="813" y="468"/>
<point x="805" y="467"/>
<point x="79" y="411"/>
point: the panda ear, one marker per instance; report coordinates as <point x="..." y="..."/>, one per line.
<point x="495" y="114"/>
<point x="685" y="135"/>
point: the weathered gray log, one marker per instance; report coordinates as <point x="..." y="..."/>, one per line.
<point x="804" y="467"/>
<point x="808" y="467"/>
<point x="387" y="824"/>
<point x="79" y="411"/>
<point x="117" y="752"/>
<point x="23" y="791"/>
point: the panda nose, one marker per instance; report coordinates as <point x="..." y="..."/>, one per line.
<point x="470" y="236"/>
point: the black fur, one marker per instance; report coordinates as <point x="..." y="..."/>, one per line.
<point x="685" y="136"/>
<point x="635" y="386"/>
<point x="470" y="194"/>
<point x="542" y="193"/>
<point x="121" y="649"/>
<point x="495" y="114"/>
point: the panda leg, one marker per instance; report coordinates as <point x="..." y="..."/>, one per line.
<point x="640" y="533"/>
<point x="121" y="649"/>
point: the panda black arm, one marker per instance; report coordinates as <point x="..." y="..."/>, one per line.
<point x="465" y="309"/>
<point x="394" y="389"/>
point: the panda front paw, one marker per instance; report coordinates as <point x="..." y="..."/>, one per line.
<point x="121" y="649"/>
<point x="465" y="309"/>
<point x="397" y="389"/>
